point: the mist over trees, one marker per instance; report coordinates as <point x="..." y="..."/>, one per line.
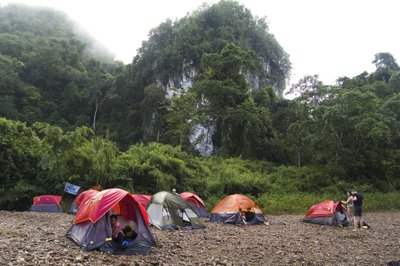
<point x="70" y="113"/>
<point x="48" y="72"/>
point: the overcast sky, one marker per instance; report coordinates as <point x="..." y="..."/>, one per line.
<point x="328" y="38"/>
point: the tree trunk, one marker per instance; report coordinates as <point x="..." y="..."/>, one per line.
<point x="94" y="117"/>
<point x="298" y="155"/>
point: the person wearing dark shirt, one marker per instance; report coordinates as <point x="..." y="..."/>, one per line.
<point x="249" y="215"/>
<point x="358" y="202"/>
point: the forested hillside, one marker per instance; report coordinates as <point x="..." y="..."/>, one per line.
<point x="179" y="55"/>
<point x="210" y="82"/>
<point x="48" y="71"/>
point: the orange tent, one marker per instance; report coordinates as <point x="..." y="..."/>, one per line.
<point x="231" y="208"/>
<point x="235" y="202"/>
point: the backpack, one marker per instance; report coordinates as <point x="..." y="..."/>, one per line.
<point x="359" y="200"/>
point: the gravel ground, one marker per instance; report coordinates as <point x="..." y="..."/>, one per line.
<point x="28" y="238"/>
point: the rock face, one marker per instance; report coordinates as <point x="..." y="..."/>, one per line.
<point x="202" y="140"/>
<point x="201" y="136"/>
<point x="39" y="239"/>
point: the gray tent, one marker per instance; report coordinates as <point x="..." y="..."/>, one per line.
<point x="168" y="211"/>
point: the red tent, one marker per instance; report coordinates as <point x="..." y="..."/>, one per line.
<point x="91" y="227"/>
<point x="47" y="199"/>
<point x="102" y="202"/>
<point x="142" y="199"/>
<point x="327" y="212"/>
<point x="81" y="199"/>
<point x="196" y="203"/>
<point x="46" y="203"/>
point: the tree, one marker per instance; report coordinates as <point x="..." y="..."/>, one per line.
<point x="20" y="177"/>
<point x="221" y="86"/>
<point x="181" y="118"/>
<point x="385" y="60"/>
<point x="151" y="108"/>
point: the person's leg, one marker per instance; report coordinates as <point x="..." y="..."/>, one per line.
<point x="357" y="216"/>
<point x="350" y="216"/>
<point x="356" y="222"/>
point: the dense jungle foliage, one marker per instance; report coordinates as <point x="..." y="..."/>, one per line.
<point x="71" y="114"/>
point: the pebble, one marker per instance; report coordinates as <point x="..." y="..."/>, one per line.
<point x="294" y="243"/>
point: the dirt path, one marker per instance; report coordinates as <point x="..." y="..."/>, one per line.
<point x="39" y="239"/>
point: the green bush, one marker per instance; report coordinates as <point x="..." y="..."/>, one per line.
<point x="19" y="157"/>
<point x="36" y="162"/>
<point x="379" y="201"/>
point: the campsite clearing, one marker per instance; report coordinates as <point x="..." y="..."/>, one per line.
<point x="30" y="238"/>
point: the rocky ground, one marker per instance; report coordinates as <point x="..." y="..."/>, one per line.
<point x="28" y="238"/>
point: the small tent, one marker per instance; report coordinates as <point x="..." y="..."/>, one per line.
<point x="327" y="212"/>
<point x="46" y="203"/>
<point x="81" y="199"/>
<point x="142" y="199"/>
<point x="91" y="227"/>
<point x="231" y="208"/>
<point x="196" y="203"/>
<point x="168" y="211"/>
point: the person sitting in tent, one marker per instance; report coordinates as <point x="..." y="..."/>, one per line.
<point x="249" y="215"/>
<point x="117" y="234"/>
<point x="243" y="214"/>
<point x="129" y="232"/>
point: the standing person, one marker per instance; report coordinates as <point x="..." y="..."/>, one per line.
<point x="358" y="202"/>
<point x="174" y="191"/>
<point x="350" y="207"/>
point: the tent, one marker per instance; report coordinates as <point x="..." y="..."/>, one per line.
<point x="46" y="203"/>
<point x="81" y="199"/>
<point x="196" y="203"/>
<point x="168" y="211"/>
<point x="142" y="199"/>
<point x="327" y="212"/>
<point x="231" y="208"/>
<point x="91" y="227"/>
